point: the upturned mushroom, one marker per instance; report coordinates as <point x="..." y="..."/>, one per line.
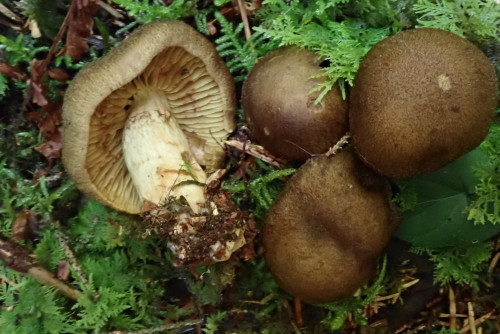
<point x="324" y="232"/>
<point x="280" y="108"/>
<point x="146" y="117"/>
<point x="421" y="99"/>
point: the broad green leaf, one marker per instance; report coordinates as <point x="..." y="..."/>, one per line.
<point x="439" y="218"/>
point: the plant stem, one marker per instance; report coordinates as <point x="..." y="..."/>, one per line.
<point x="18" y="258"/>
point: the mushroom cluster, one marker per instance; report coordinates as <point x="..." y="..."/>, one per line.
<point x="421" y="99"/>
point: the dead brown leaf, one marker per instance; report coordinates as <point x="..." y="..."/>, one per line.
<point x="51" y="149"/>
<point x="24" y="225"/>
<point x="48" y="120"/>
<point x="80" y="26"/>
<point x="13" y="72"/>
<point x="58" y="74"/>
<point x="63" y="270"/>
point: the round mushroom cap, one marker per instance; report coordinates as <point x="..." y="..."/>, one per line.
<point x="280" y="108"/>
<point x="173" y="62"/>
<point x="324" y="232"/>
<point x="421" y="99"/>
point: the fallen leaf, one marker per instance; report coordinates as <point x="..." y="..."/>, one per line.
<point x="24" y="225"/>
<point x="58" y="74"/>
<point x="80" y="27"/>
<point x="51" y="149"/>
<point x="13" y="72"/>
<point x="48" y="120"/>
<point x="36" y="83"/>
<point x="63" y="270"/>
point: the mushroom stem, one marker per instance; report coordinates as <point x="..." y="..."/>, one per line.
<point x="157" y="154"/>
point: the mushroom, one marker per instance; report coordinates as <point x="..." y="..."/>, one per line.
<point x="280" y="108"/>
<point x="324" y="232"/>
<point x="421" y="99"/>
<point x="141" y="121"/>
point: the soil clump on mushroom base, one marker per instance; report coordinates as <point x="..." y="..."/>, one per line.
<point x="213" y="235"/>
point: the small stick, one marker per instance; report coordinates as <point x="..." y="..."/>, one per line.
<point x="254" y="150"/>
<point x="338" y="145"/>
<point x="453" y="309"/>
<point x="177" y="325"/>
<point x="18" y="258"/>
<point x="477" y="322"/>
<point x="110" y="10"/>
<point x="396" y="295"/>
<point x="244" y="18"/>
<point x="71" y="257"/>
<point x="447" y="315"/>
<point x="472" y="321"/>
<point x="494" y="263"/>
<point x="8" y="281"/>
<point x="298" y="312"/>
<point x="9" y="14"/>
<point x="58" y="38"/>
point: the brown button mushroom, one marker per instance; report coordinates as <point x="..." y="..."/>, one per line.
<point x="324" y="232"/>
<point x="280" y="110"/>
<point x="421" y="99"/>
<point x="147" y="116"/>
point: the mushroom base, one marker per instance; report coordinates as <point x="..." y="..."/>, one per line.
<point x="157" y="154"/>
<point x="213" y="236"/>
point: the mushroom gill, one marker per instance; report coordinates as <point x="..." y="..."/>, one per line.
<point x="181" y="87"/>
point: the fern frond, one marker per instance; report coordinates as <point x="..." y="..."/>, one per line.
<point x="146" y="11"/>
<point x="241" y="55"/>
<point x="342" y="44"/>
<point x="473" y="19"/>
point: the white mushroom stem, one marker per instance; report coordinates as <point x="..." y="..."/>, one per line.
<point x="156" y="152"/>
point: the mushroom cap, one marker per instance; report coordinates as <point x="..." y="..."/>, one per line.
<point x="280" y="110"/>
<point x="325" y="231"/>
<point x="166" y="56"/>
<point x="421" y="99"/>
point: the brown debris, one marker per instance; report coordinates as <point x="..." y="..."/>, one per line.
<point x="80" y="28"/>
<point x="212" y="236"/>
<point x="24" y="225"/>
<point x="18" y="258"/>
<point x="255" y="150"/>
<point x="13" y="72"/>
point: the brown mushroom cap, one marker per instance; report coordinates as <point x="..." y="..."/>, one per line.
<point x="164" y="72"/>
<point x="280" y="111"/>
<point x="325" y="231"/>
<point x="421" y="98"/>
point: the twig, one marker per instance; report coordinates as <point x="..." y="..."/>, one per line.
<point x="396" y="295"/>
<point x="177" y="325"/>
<point x="338" y="145"/>
<point x="255" y="150"/>
<point x="8" y="281"/>
<point x="57" y="39"/>
<point x="18" y="258"/>
<point x="110" y="10"/>
<point x="71" y="257"/>
<point x="494" y="262"/>
<point x="453" y="309"/>
<point x="286" y="305"/>
<point x="244" y="18"/>
<point x="298" y="312"/>
<point x="9" y="14"/>
<point x="447" y="315"/>
<point x="474" y="323"/>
